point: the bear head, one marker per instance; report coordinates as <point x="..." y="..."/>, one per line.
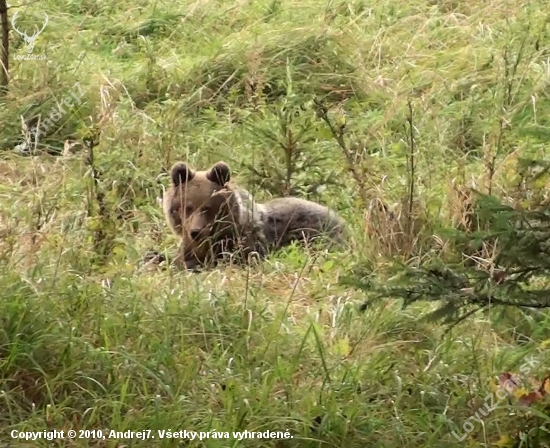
<point x="199" y="205"/>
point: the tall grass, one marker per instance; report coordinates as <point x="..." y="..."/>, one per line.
<point x="387" y="111"/>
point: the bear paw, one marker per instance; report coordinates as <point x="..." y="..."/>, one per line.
<point x="154" y="257"/>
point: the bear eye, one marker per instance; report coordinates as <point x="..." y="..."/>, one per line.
<point x="206" y="210"/>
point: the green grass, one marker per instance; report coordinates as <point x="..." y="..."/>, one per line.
<point x="91" y="340"/>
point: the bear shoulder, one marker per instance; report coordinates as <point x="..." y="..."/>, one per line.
<point x="294" y="219"/>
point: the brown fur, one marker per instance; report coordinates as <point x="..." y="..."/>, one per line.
<point x="205" y="210"/>
<point x="294" y="219"/>
<point x="214" y="218"/>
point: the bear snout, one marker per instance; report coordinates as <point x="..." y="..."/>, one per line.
<point x="195" y="233"/>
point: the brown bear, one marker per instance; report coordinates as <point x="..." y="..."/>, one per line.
<point x="216" y="219"/>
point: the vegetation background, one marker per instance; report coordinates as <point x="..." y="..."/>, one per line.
<point x="391" y="112"/>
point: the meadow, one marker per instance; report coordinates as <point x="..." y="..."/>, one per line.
<point x="387" y="111"/>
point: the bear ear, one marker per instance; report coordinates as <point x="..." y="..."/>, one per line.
<point x="219" y="173"/>
<point x="181" y="173"/>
